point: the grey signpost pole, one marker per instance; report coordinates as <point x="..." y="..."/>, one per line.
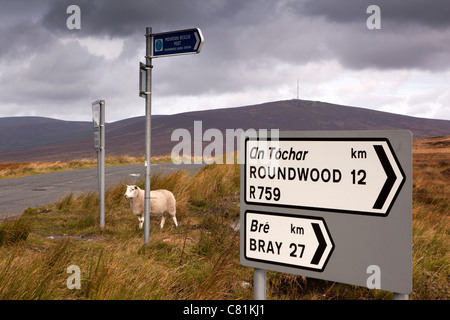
<point x="148" y="114"/>
<point x="98" y="117"/>
<point x="259" y="284"/>
<point x="400" y="296"/>
<point x="102" y="165"/>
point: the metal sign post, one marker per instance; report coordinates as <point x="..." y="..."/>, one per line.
<point x="160" y="45"/>
<point x="331" y="205"/>
<point x="98" y="118"/>
<point x="259" y="284"/>
<point x="148" y="130"/>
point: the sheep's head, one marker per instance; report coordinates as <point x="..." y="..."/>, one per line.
<point x="131" y="192"/>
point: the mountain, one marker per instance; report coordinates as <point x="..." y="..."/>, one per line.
<point x="27" y="132"/>
<point x="43" y="139"/>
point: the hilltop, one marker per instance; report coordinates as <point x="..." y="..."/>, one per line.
<point x="43" y="139"/>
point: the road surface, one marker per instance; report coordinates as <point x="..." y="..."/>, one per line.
<point x="17" y="194"/>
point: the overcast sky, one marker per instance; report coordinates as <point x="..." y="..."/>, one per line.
<point x="254" y="52"/>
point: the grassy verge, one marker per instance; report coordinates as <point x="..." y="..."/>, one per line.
<point x="22" y="169"/>
<point x="199" y="259"/>
<point x="431" y="219"/>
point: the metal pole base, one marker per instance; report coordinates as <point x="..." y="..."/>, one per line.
<point x="400" y="296"/>
<point x="259" y="284"/>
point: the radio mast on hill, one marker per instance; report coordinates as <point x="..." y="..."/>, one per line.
<point x="297" y="89"/>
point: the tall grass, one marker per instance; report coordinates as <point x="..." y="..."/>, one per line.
<point x="114" y="262"/>
<point x="29" y="275"/>
<point x="13" y="232"/>
<point x="431" y="219"/>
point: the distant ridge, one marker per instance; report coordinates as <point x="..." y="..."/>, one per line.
<point x="26" y="139"/>
<point x="19" y="133"/>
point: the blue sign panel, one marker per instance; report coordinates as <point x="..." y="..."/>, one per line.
<point x="177" y="42"/>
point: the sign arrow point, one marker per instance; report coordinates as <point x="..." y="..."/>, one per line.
<point x="390" y="180"/>
<point x="197" y="38"/>
<point x="322" y="244"/>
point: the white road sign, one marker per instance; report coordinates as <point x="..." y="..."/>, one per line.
<point x="331" y="205"/>
<point x="349" y="175"/>
<point x="300" y="242"/>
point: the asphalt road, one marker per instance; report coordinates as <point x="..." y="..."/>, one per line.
<point x="17" y="194"/>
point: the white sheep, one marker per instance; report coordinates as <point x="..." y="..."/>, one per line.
<point x="161" y="201"/>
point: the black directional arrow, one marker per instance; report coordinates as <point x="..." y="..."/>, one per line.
<point x="322" y="244"/>
<point x="390" y="180"/>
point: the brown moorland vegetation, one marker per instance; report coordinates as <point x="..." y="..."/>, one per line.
<point x="200" y="259"/>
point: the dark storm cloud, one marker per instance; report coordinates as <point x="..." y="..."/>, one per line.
<point x="39" y="71"/>
<point x="19" y="41"/>
<point x="429" y="50"/>
<point x="429" y="13"/>
<point x="235" y="34"/>
<point x="118" y="18"/>
<point x="250" y="46"/>
<point x="292" y="31"/>
<point x="412" y="33"/>
<point x="64" y="72"/>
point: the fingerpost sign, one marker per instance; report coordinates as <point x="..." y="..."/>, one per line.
<point x="177" y="42"/>
<point x="166" y="44"/>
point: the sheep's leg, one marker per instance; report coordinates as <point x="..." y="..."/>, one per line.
<point x="141" y="222"/>
<point x="175" y="220"/>
<point x="163" y="220"/>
